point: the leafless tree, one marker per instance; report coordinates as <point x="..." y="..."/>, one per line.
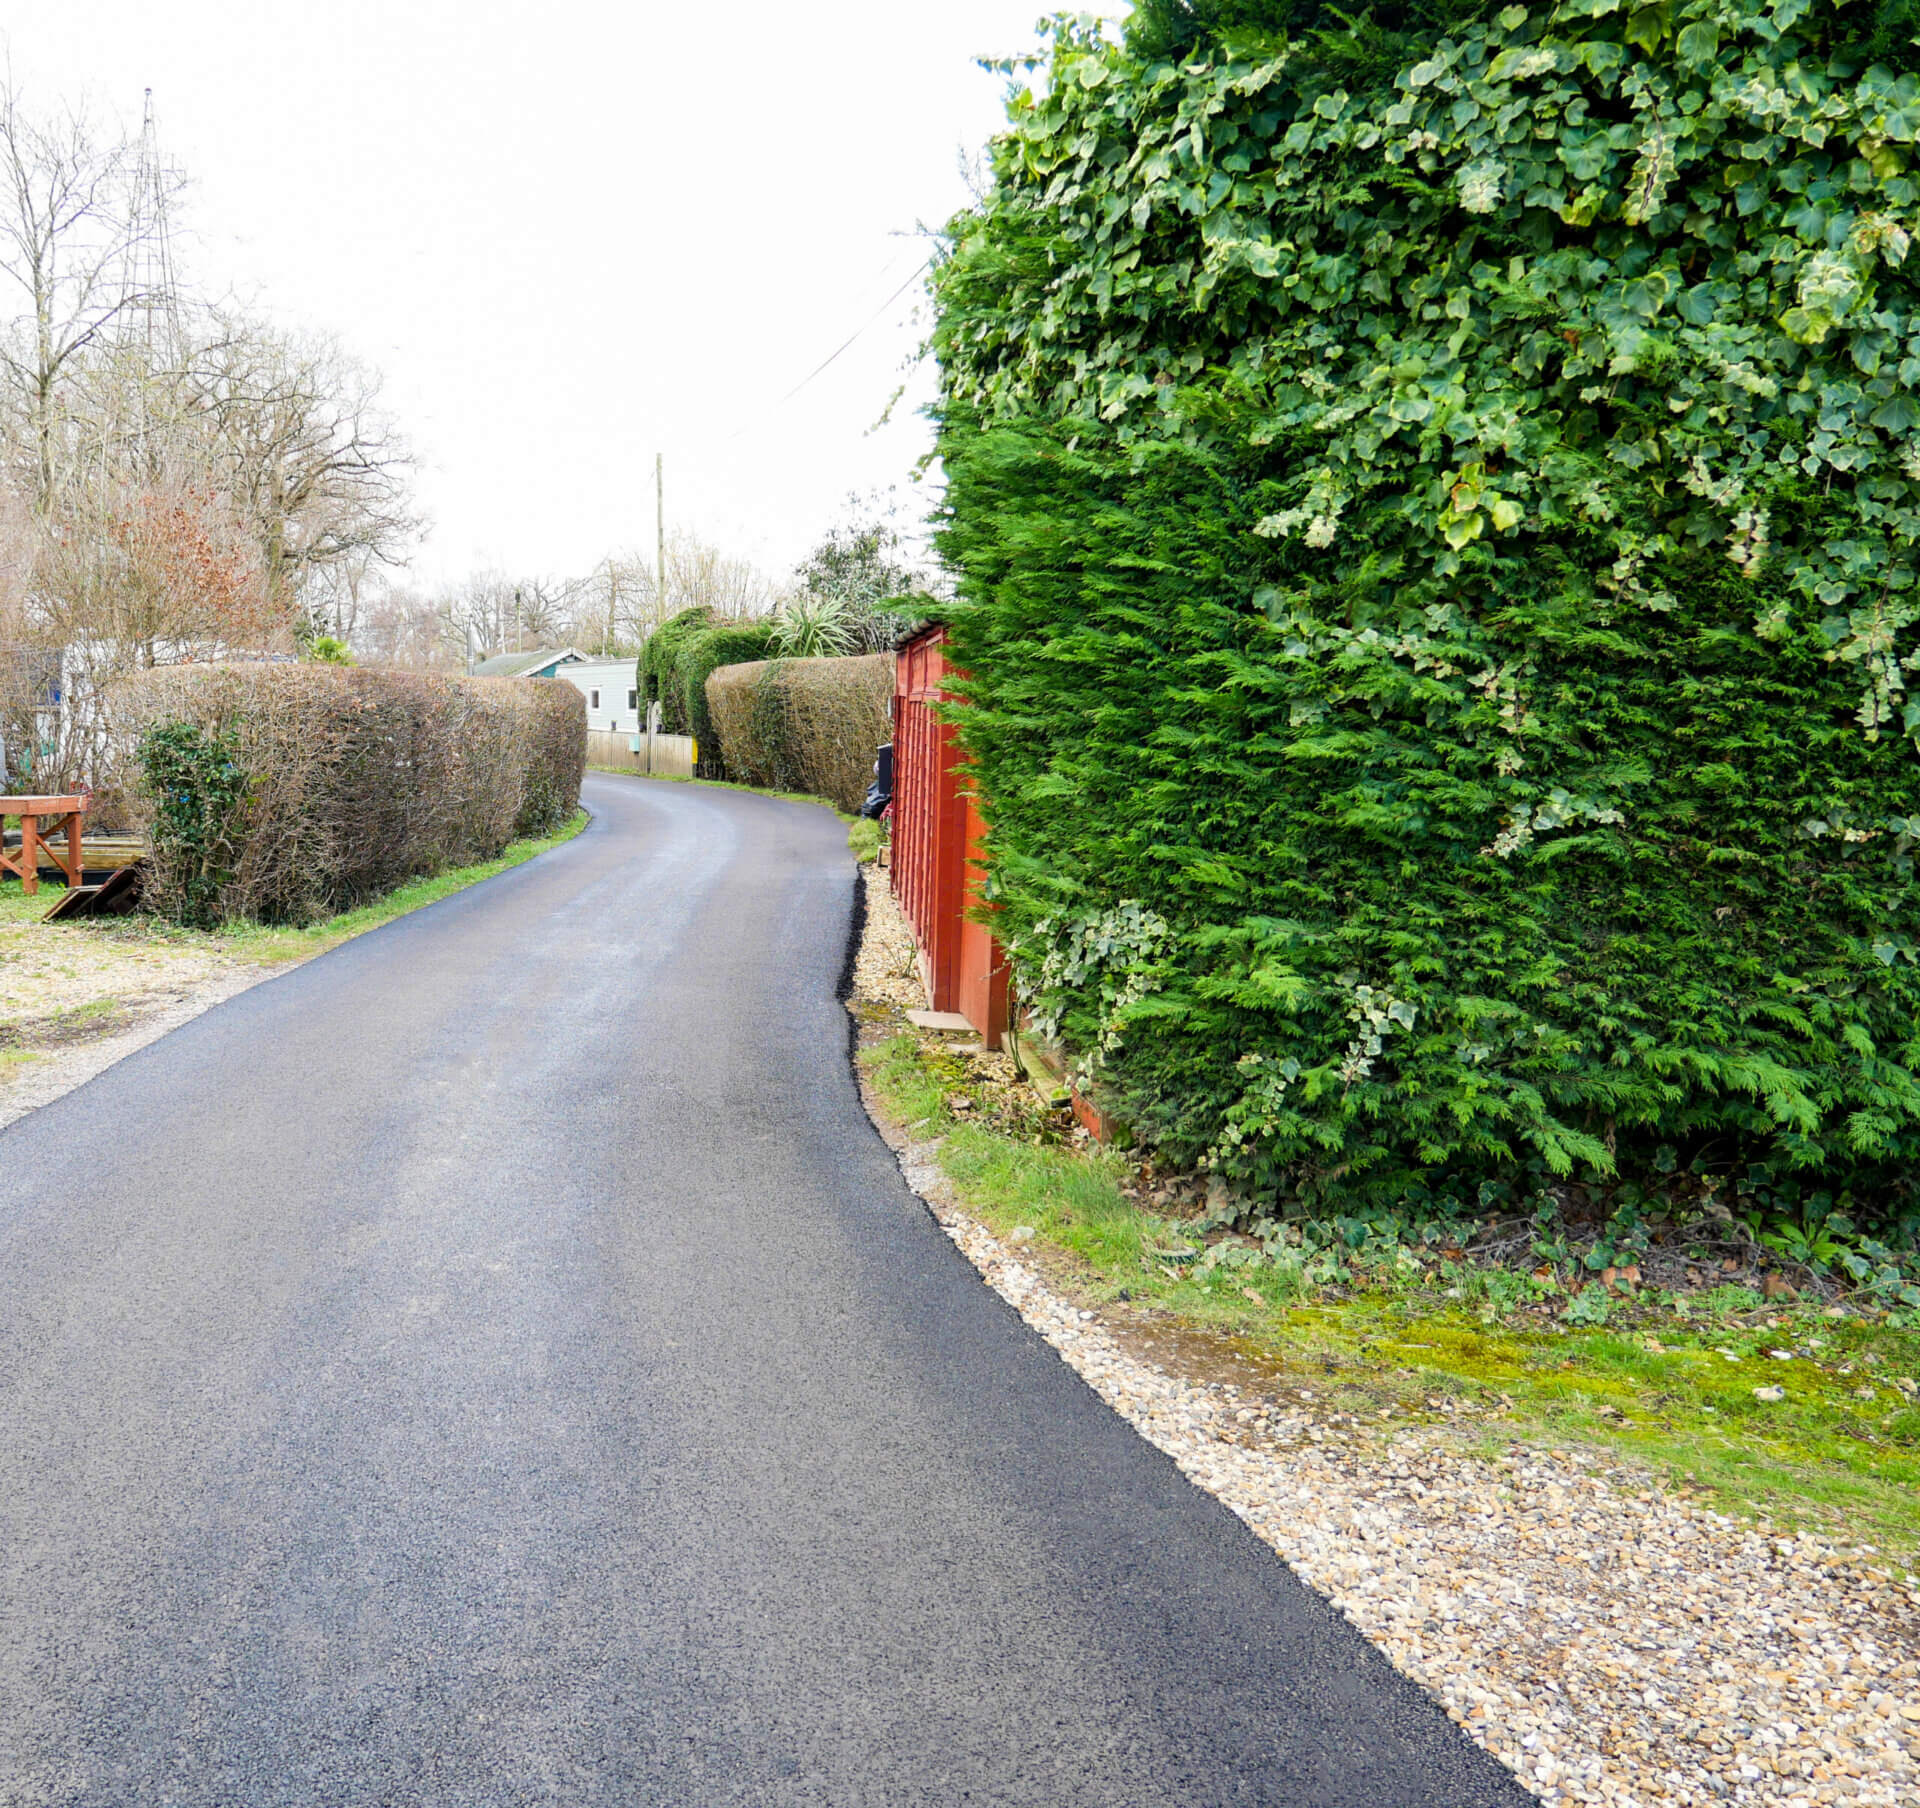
<point x="297" y="433"/>
<point x="701" y="575"/>
<point x="401" y="626"/>
<point x="492" y="611"/>
<point x="610" y="606"/>
<point x="174" y="482"/>
<point x="478" y="613"/>
<point x="71" y="224"/>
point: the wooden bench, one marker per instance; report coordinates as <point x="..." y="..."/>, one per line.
<point x="42" y="821"/>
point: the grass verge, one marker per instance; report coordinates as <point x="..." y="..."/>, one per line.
<point x="271" y="945"/>
<point x="1685" y="1386"/>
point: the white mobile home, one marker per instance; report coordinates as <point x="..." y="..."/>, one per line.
<point x="613" y="702"/>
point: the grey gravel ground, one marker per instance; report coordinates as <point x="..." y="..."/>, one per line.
<point x="497" y="1362"/>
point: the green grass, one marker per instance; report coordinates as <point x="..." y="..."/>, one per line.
<point x="864" y="837"/>
<point x="271" y="945"/>
<point x="93" y="1009"/>
<point x="17" y="907"/>
<point x="1672" y="1390"/>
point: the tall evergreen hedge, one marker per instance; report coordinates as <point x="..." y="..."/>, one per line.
<point x="675" y="663"/>
<point x="1434" y="494"/>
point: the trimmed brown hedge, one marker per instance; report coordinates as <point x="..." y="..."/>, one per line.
<point x="360" y="780"/>
<point x="805" y="724"/>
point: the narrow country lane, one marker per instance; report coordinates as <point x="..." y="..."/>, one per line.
<point x="498" y="1363"/>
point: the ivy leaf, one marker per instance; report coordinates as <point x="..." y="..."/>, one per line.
<point x="1806" y="326"/>
<point x="1898" y="414"/>
<point x="1698" y="45"/>
<point x="1696" y="305"/>
<point x="1648" y="27"/>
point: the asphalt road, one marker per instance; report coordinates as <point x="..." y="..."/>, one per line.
<point x="499" y="1363"/>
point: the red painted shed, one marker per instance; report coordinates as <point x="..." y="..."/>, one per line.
<point x="937" y="835"/>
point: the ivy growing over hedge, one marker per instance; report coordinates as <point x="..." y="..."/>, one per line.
<point x="1434" y="494"/>
<point x="675" y="663"/>
<point x="199" y="790"/>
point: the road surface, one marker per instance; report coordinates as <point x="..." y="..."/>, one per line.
<point x="498" y="1363"/>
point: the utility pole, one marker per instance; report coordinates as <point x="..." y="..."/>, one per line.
<point x="659" y="572"/>
<point x="660" y="536"/>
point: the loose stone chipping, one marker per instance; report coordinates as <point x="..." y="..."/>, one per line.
<point x="1607" y="1642"/>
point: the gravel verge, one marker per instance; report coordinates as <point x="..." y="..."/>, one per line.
<point x="52" y="1072"/>
<point x="73" y="1001"/>
<point x="1606" y="1641"/>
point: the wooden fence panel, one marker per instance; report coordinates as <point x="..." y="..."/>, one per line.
<point x="937" y="832"/>
<point x="672" y="753"/>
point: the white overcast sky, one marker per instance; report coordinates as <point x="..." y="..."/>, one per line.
<point x="574" y="234"/>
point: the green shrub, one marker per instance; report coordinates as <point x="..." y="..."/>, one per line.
<point x="675" y="664"/>
<point x="816" y="625"/>
<point x="199" y="791"/>
<point x="809" y="725"/>
<point x="656" y="673"/>
<point x="1434" y="517"/>
<point x="286" y="793"/>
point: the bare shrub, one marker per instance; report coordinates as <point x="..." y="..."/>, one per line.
<point x="358" y="780"/>
<point x="804" y="724"/>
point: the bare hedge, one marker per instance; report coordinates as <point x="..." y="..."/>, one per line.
<point x="359" y="780"/>
<point x="804" y="724"/>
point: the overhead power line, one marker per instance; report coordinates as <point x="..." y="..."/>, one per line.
<point x="858" y="334"/>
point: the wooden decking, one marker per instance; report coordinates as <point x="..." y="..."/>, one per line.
<point x="98" y="853"/>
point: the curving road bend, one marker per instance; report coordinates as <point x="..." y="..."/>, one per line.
<point x="498" y="1363"/>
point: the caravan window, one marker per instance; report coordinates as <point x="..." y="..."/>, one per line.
<point x="593" y="699"/>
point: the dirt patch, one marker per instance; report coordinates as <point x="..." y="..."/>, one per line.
<point x="75" y="998"/>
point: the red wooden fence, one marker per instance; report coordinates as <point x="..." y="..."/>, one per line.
<point x="937" y="831"/>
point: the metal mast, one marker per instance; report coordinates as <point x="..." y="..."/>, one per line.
<point x="153" y="295"/>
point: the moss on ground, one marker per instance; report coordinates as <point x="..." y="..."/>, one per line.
<point x="1680" y="1383"/>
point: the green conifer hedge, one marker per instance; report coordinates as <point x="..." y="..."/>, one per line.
<point x="1434" y="494"/>
<point x="675" y="663"/>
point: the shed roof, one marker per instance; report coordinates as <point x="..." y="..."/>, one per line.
<point x="526" y="665"/>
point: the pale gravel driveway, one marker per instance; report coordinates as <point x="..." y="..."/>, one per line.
<point x="1609" y="1643"/>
